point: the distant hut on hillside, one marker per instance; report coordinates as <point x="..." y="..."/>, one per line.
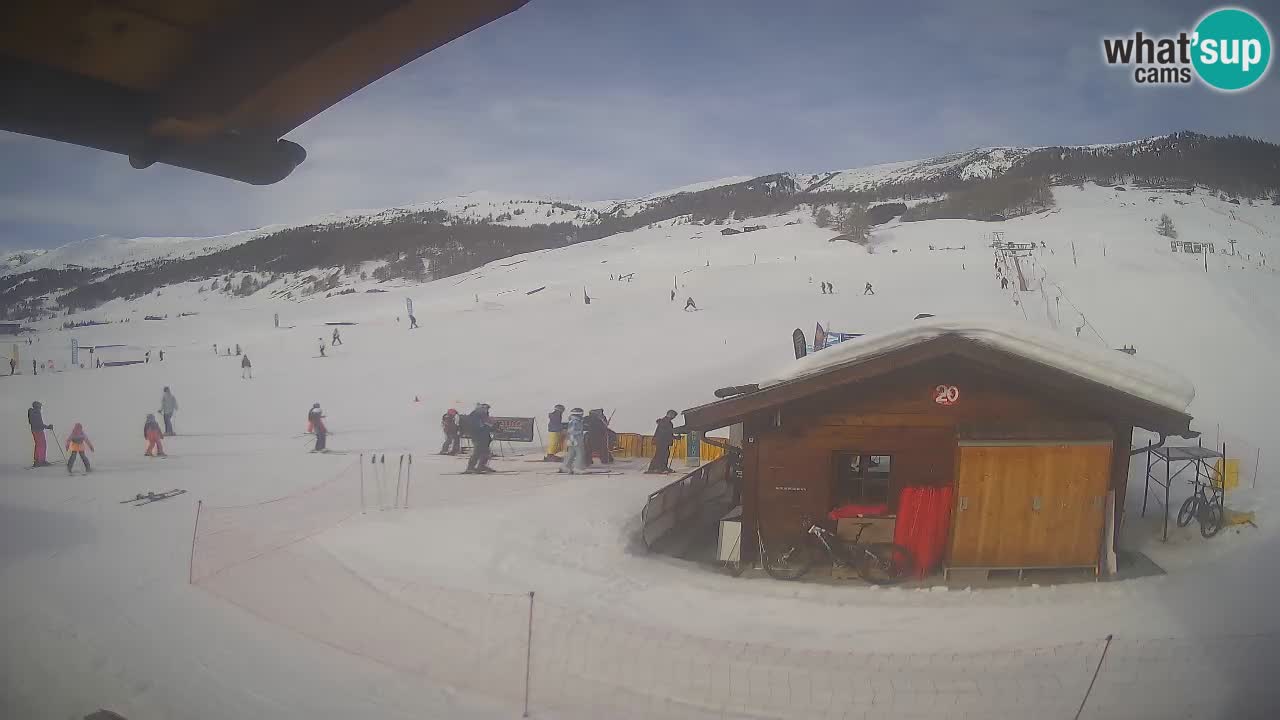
<point x="730" y="231"/>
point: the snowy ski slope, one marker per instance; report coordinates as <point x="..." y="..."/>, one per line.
<point x="94" y="602"/>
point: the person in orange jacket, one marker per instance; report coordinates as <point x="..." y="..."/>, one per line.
<point x="151" y="431"/>
<point x="77" y="441"/>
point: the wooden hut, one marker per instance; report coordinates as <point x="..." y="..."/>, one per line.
<point x="1031" y="430"/>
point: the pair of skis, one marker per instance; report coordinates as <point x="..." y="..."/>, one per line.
<point x="381" y="478"/>
<point x="149" y="497"/>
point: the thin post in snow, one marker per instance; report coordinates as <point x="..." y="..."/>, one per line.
<point x="1095" y="678"/>
<point x="408" y="480"/>
<point x="1073" y="254"/>
<point x="191" y="564"/>
<point x="361" y="483"/>
<point x="528" y="656"/>
<point x="1256" y="462"/>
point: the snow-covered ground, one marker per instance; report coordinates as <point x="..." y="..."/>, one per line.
<point x="420" y="612"/>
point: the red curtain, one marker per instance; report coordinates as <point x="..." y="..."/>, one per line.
<point x="924" y="520"/>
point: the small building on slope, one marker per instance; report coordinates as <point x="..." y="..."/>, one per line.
<point x="1030" y="430"/>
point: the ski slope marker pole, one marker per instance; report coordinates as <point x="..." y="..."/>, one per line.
<point x="528" y="656"/>
<point x="361" y="483"/>
<point x="399" y="472"/>
<point x="408" y="482"/>
<point x="380" y="481"/>
<point x="191" y="565"/>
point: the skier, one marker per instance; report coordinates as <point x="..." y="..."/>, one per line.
<point x="162" y="356"/>
<point x="215" y="348"/>
<point x="246" y="368"/>
<point x="337" y="339"/>
<point x="148" y="356"/>
<point x="663" y="436"/>
<point x="237" y="348"/>
<point x="151" y="431"/>
<point x="598" y="437"/>
<point x="77" y="441"/>
<point x="555" y="433"/>
<point x="575" y="450"/>
<point x="36" y="420"/>
<point x="413" y="323"/>
<point x="168" y="406"/>
<point x="33" y="367"/>
<point x="321" y="346"/>
<point x="452" y="433"/>
<point x="690" y="304"/>
<point x="13" y="365"/>
<point x="673" y="296"/>
<point x="315" y="420"/>
<point x="823" y="286"/>
<point x="868" y="290"/>
<point x="831" y="288"/>
<point x="481" y="436"/>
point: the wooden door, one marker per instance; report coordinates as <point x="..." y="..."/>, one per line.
<point x="1030" y="505"/>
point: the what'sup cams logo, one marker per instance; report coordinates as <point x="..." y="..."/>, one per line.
<point x="1229" y="50"/>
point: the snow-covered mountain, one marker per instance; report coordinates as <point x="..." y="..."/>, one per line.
<point x="526" y="210"/>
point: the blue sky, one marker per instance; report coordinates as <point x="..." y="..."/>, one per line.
<point x="591" y="100"/>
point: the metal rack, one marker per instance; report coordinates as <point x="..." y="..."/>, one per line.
<point x="1190" y="456"/>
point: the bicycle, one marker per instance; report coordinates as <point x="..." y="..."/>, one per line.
<point x="879" y="563"/>
<point x="1207" y="512"/>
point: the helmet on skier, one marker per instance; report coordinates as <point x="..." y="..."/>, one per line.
<point x="451" y="411"/>
<point x="576" y="411"/>
<point x="36" y="405"/>
<point x="559" y="407"/>
<point x="315" y="405"/>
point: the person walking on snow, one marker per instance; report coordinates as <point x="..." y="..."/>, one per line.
<point x="237" y="348"/>
<point x="598" y="437"/>
<point x="663" y="436"/>
<point x="321" y="346"/>
<point x="161" y="356"/>
<point x="481" y="437"/>
<point x="413" y="322"/>
<point x="452" y="433"/>
<point x="36" y="420"/>
<point x="690" y="304"/>
<point x="77" y="441"/>
<point x="555" y="434"/>
<point x="13" y="365"/>
<point x="168" y="406"/>
<point x="246" y="368"/>
<point x="575" y="451"/>
<point x="315" y="420"/>
<point x="868" y="291"/>
<point x="151" y="431"/>
<point x="337" y="339"/>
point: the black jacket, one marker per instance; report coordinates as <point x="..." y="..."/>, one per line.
<point x="449" y="423"/>
<point x="478" y="428"/>
<point x="555" y="421"/>
<point x="36" y="421"/>
<point x="665" y="433"/>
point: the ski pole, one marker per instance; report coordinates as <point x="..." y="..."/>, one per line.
<point x="59" y="441"/>
<point x="382" y="471"/>
<point x="361" y="483"/>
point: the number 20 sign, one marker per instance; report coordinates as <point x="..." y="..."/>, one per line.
<point x="946" y="394"/>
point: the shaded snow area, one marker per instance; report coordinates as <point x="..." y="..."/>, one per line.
<point x="1140" y="378"/>
<point x="316" y="596"/>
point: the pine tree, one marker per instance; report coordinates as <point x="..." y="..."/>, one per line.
<point x="1165" y="228"/>
<point x="854" y="223"/>
<point x="822" y="217"/>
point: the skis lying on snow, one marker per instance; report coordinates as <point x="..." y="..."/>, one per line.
<point x="490" y="472"/>
<point x="583" y="472"/>
<point x="149" y="497"/>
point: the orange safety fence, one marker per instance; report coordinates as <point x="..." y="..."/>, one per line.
<point x="637" y="445"/>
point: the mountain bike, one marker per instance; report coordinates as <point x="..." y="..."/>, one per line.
<point x="1206" y="511"/>
<point x="879" y="563"/>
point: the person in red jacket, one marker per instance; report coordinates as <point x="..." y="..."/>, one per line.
<point x="151" y="431"/>
<point x="452" y="434"/>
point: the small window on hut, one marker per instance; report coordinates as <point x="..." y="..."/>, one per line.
<point x="861" y="479"/>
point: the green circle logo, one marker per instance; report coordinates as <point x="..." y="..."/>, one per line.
<point x="1232" y="49"/>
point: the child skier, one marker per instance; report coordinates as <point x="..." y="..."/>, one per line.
<point x="452" y="433"/>
<point x="151" y="431"/>
<point x="77" y="441"/>
<point x="575" y="452"/>
<point x="315" y="420"/>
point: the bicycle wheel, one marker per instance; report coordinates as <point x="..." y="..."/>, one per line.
<point x="885" y="563"/>
<point x="1210" y="520"/>
<point x="1188" y="511"/>
<point x="788" y="560"/>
